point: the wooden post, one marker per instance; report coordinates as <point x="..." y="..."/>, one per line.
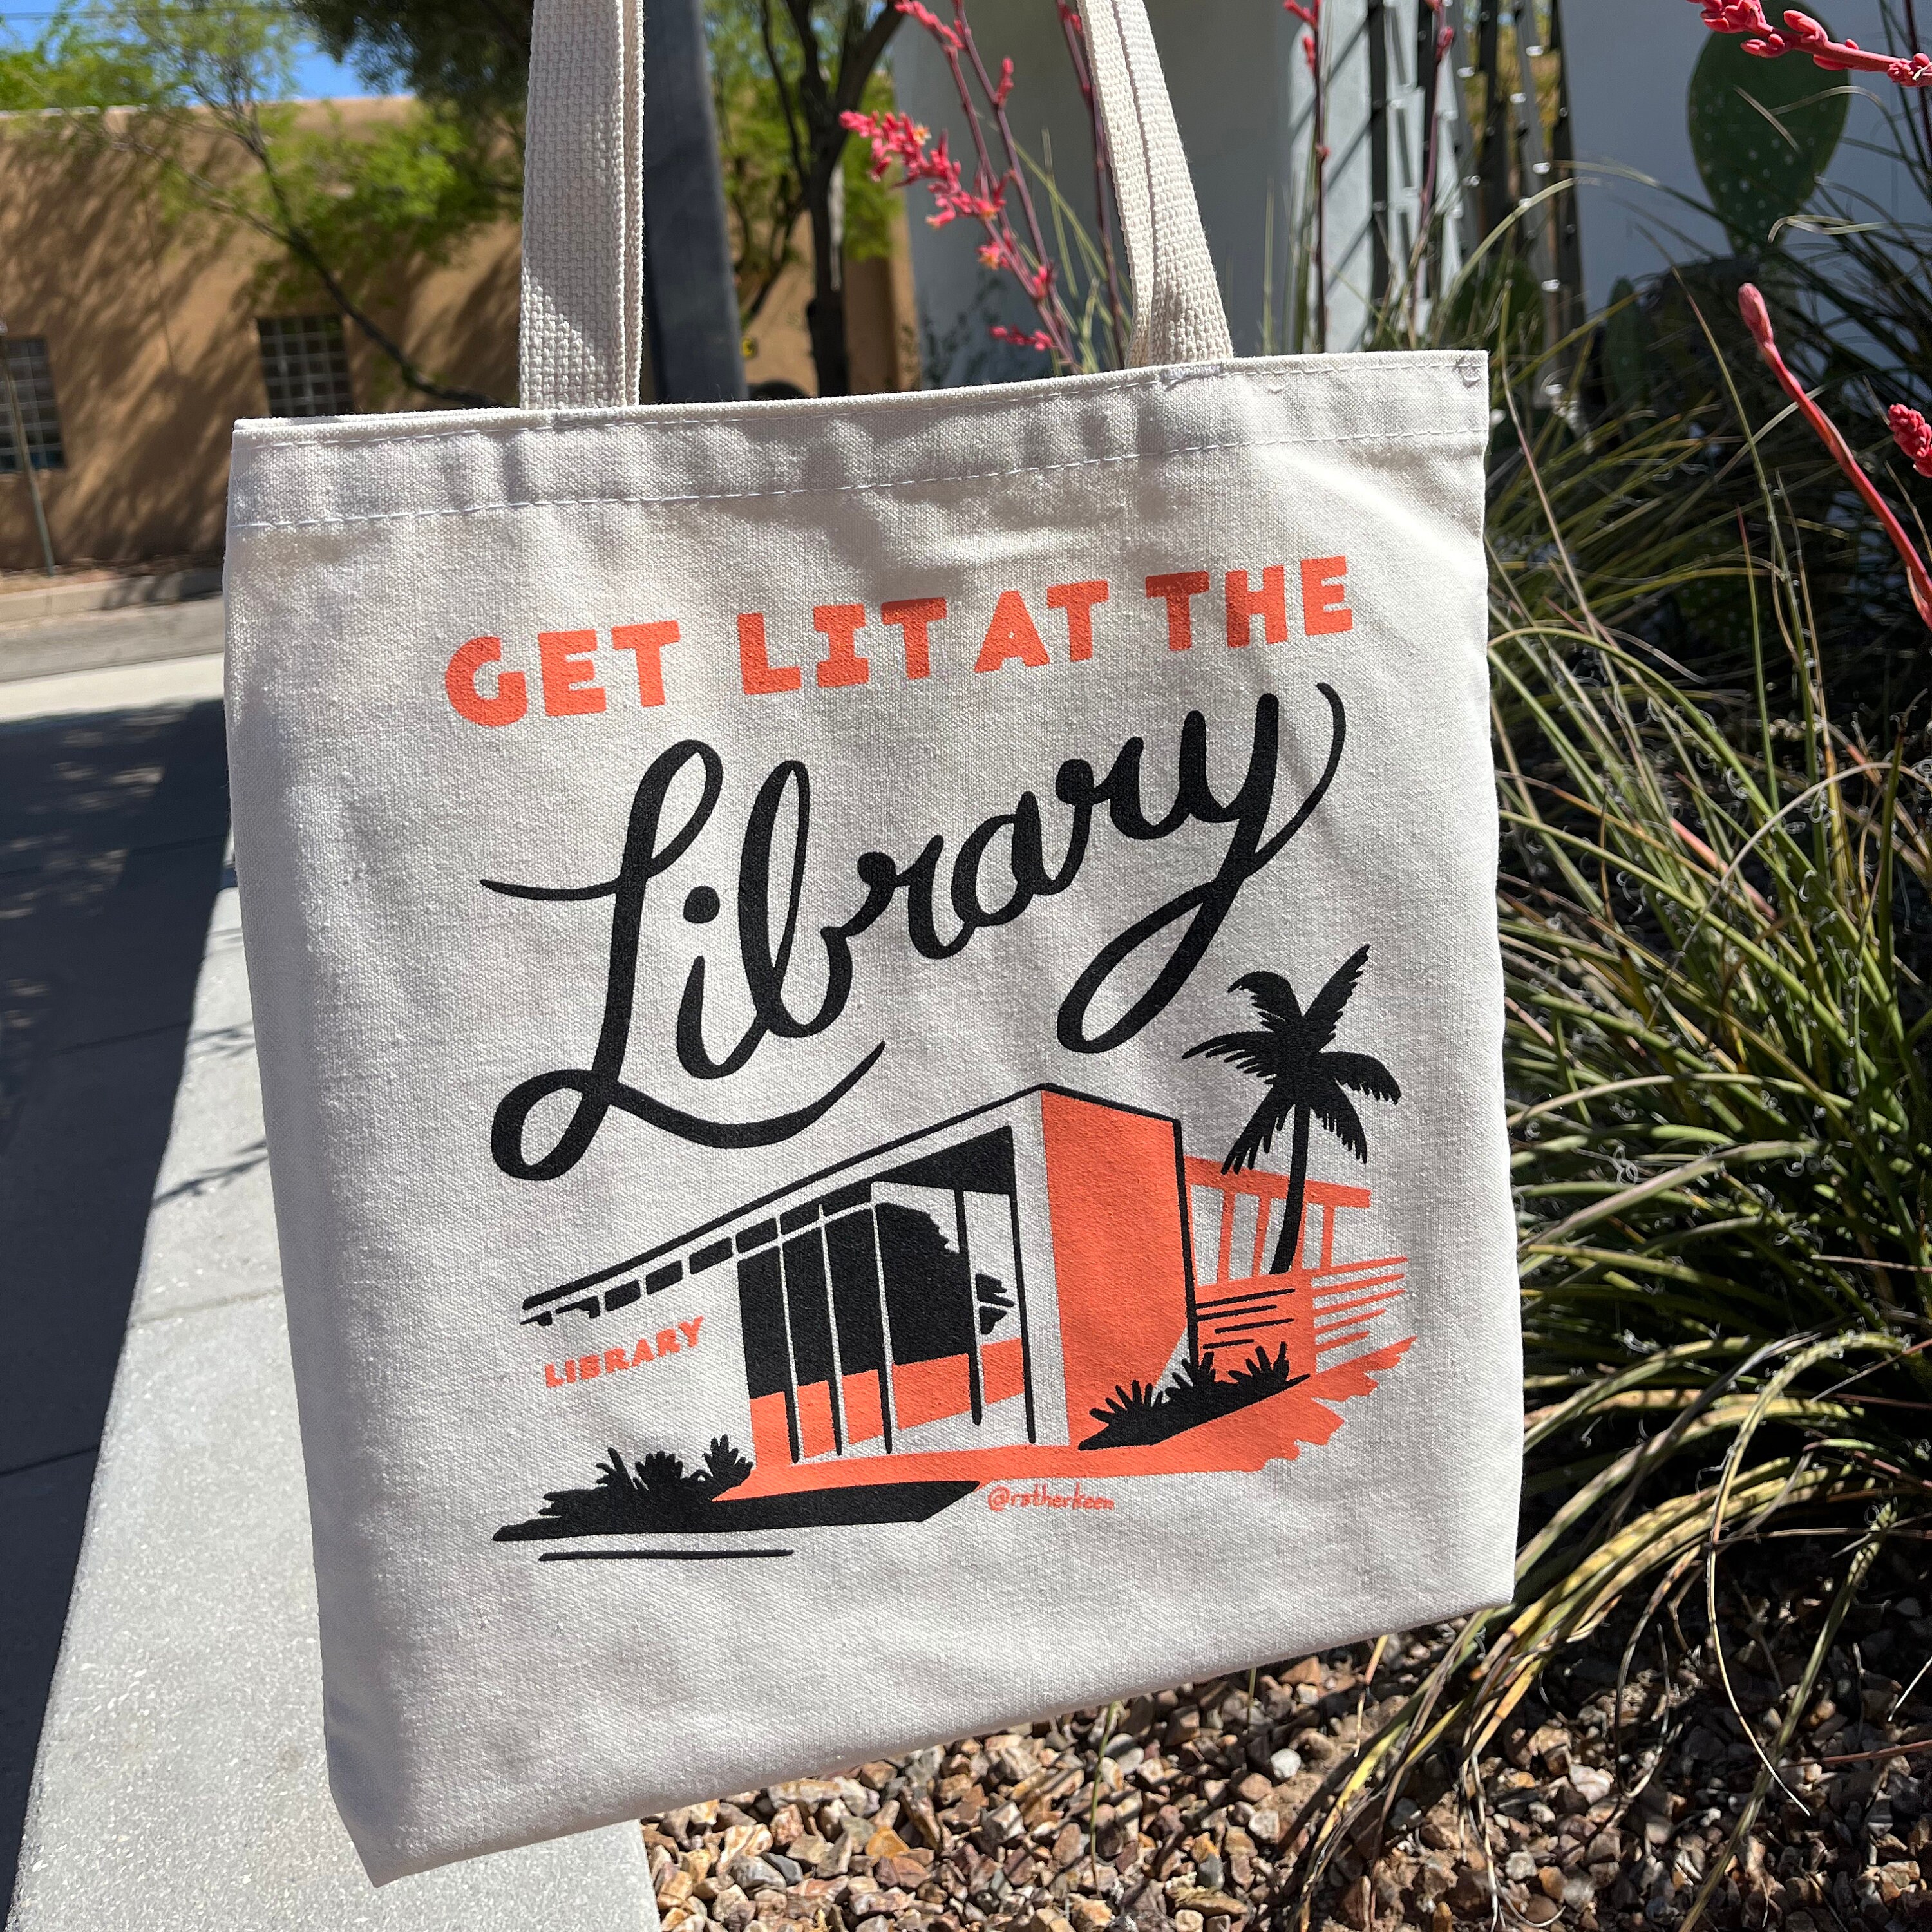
<point x="1565" y="219"/>
<point x="1535" y="178"/>
<point x="1493" y="169"/>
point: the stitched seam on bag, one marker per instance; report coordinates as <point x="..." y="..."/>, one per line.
<point x="1272" y="378"/>
<point x="1407" y="440"/>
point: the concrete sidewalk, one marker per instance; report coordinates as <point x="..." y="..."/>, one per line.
<point x="25" y="596"/>
<point x="95" y="641"/>
<point x="180" y="1781"/>
<point x="115" y="688"/>
<point x="112" y="830"/>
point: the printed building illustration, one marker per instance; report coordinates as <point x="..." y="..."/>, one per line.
<point x="1047" y="1286"/>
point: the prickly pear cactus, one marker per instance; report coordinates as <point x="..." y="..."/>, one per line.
<point x="1761" y="132"/>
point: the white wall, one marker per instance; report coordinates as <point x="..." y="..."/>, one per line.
<point x="1243" y="99"/>
<point x="1241" y="96"/>
<point x="1630" y="63"/>
<point x="1230" y="65"/>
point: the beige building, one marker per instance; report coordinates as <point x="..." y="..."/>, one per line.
<point x="135" y="342"/>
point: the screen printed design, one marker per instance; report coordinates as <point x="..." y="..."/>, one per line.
<point x="1049" y="1287"/>
<point x="1054" y="1288"/>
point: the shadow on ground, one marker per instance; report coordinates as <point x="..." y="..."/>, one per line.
<point x="112" y="833"/>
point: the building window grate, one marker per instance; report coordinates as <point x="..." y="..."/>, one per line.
<point x="305" y="365"/>
<point x="33" y="385"/>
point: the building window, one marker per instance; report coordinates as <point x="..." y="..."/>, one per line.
<point x="34" y="385"/>
<point x="305" y="365"/>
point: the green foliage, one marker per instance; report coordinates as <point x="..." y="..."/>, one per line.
<point x="1626" y="351"/>
<point x="471" y="66"/>
<point x="1722" y="1115"/>
<point x="1723" y="1148"/>
<point x="769" y="148"/>
<point x="764" y="188"/>
<point x="74" y="65"/>
<point x="348" y="213"/>
<point x="372" y="197"/>
<point x="1761" y="132"/>
<point x="1716" y="914"/>
<point x="761" y="184"/>
<point x="470" y="61"/>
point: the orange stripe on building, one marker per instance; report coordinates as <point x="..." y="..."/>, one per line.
<point x="925" y="1391"/>
<point x="1002" y="1370"/>
<point x="814" y="1420"/>
<point x="863" y="1420"/>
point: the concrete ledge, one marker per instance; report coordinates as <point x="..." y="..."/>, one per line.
<point x="67" y="598"/>
<point x="115" y="688"/>
<point x="99" y="640"/>
<point x="181" y="1781"/>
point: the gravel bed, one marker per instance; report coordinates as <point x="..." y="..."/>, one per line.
<point x="1585" y="1813"/>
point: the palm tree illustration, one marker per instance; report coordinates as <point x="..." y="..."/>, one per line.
<point x="1305" y="1081"/>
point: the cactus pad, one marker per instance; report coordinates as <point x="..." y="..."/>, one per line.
<point x="1753" y="174"/>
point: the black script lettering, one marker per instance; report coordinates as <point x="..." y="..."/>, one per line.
<point x="772" y="872"/>
<point x="765" y="966"/>
<point x="598" y="1087"/>
<point x="1210" y="902"/>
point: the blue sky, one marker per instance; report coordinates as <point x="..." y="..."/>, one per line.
<point x="317" y="77"/>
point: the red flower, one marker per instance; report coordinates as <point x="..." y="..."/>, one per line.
<point x="896" y="138"/>
<point x="1800" y="34"/>
<point x="932" y="22"/>
<point x="1757" y="320"/>
<point x="1913" y="435"/>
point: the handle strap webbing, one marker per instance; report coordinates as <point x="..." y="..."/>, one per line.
<point x="583" y="319"/>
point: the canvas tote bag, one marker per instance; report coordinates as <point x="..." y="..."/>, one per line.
<point x="880" y="1027"/>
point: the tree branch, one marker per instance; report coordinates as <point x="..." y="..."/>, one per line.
<point x="791" y="113"/>
<point x="244" y="129"/>
<point x="857" y="69"/>
<point x="297" y="241"/>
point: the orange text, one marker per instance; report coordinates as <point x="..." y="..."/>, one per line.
<point x="588" y="1368"/>
<point x="587" y="672"/>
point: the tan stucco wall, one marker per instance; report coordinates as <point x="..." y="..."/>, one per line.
<point x="880" y="309"/>
<point x="150" y="338"/>
<point x="151" y="342"/>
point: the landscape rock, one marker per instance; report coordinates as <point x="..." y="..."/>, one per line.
<point x="1192" y="1821"/>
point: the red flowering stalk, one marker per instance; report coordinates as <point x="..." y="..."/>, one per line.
<point x="1913" y="435"/>
<point x="1802" y="35"/>
<point x="1925" y="104"/>
<point x="1757" y="320"/>
<point x="1308" y="12"/>
<point x="897" y="138"/>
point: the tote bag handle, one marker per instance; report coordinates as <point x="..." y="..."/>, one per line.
<point x="582" y="341"/>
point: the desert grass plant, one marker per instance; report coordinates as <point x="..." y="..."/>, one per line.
<point x="1716" y="912"/>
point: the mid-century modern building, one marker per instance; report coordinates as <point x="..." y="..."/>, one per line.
<point x="1046" y="1286"/>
